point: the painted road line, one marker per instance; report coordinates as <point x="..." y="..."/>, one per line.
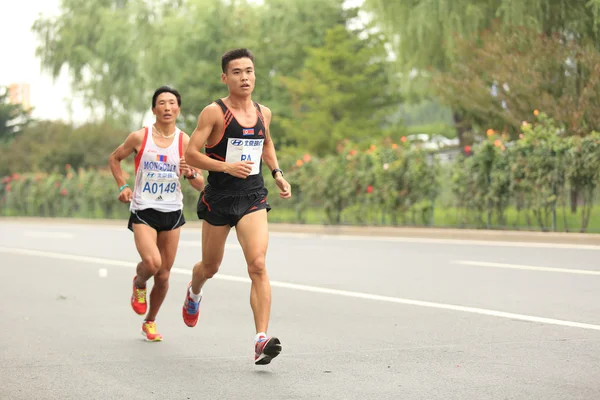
<point x="526" y="267"/>
<point x="316" y="289"/>
<point x="48" y="235"/>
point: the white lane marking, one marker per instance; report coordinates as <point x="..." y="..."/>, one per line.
<point x="316" y="289"/>
<point x="467" y="242"/>
<point x="49" y="235"/>
<point x="197" y="243"/>
<point x="527" y="267"/>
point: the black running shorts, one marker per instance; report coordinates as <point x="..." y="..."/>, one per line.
<point x="221" y="208"/>
<point x="159" y="220"/>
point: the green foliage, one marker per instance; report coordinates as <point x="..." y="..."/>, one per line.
<point x="47" y="146"/>
<point x="582" y="160"/>
<point x="354" y="184"/>
<point x="498" y="184"/>
<point x="434" y="26"/>
<point x="117" y="52"/>
<point x="527" y="70"/>
<point x="13" y="118"/>
<point x="341" y="92"/>
<point x="533" y="173"/>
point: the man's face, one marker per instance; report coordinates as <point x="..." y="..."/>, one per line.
<point x="240" y="76"/>
<point x="166" y="109"/>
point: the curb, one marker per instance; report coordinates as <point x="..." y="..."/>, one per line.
<point x="410" y="232"/>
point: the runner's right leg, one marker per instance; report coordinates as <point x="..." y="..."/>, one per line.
<point x="213" y="248"/>
<point x="145" y="242"/>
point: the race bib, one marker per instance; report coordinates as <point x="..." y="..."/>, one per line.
<point x="245" y="150"/>
<point x="159" y="186"/>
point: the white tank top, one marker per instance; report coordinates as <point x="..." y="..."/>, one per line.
<point x="157" y="175"/>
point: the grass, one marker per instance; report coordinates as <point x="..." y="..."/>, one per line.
<point x="443" y="217"/>
<point x="361" y="215"/>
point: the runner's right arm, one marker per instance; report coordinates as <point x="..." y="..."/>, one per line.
<point x="207" y="124"/>
<point x="131" y="144"/>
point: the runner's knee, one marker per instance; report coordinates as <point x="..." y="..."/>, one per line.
<point x="152" y="263"/>
<point x="210" y="268"/>
<point x="162" y="278"/>
<point x="256" y="266"/>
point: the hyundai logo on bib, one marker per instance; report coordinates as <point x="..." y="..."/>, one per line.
<point x="237" y="142"/>
<point x="247" y="132"/>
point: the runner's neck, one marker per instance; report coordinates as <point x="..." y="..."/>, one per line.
<point x="239" y="103"/>
<point x="165" y="129"/>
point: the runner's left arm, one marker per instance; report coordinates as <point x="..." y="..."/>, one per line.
<point x="270" y="157"/>
<point x="197" y="182"/>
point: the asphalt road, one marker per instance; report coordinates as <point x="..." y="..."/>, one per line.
<point x="358" y="317"/>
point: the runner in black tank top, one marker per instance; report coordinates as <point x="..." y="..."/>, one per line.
<point x="235" y="194"/>
<point x="233" y="129"/>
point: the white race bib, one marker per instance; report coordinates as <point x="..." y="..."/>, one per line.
<point x="245" y="150"/>
<point x="159" y="186"/>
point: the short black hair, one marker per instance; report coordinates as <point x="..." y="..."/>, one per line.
<point x="165" y="89"/>
<point x="234" y="55"/>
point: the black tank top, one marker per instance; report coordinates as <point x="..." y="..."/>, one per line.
<point x="237" y="135"/>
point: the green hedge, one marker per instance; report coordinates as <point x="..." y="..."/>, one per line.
<point x="524" y="184"/>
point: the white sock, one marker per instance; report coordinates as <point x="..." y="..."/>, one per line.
<point x="194" y="296"/>
<point x="258" y="336"/>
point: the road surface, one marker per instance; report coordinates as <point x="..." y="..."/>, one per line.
<point x="358" y="317"/>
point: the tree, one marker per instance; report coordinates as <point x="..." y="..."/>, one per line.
<point x="501" y="76"/>
<point x="105" y="45"/>
<point x="423" y="33"/>
<point x="13" y="118"/>
<point x="194" y="38"/>
<point x="342" y="92"/>
<point x="287" y="29"/>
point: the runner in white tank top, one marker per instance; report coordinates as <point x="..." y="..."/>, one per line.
<point x="156" y="209"/>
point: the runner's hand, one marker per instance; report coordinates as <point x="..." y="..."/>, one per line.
<point x="286" y="189"/>
<point x="125" y="195"/>
<point x="240" y="169"/>
<point x="186" y="170"/>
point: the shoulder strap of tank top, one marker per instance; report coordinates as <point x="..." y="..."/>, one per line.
<point x="260" y="114"/>
<point x="227" y="115"/>
<point x="180" y="142"/>
<point x="222" y="105"/>
<point x="180" y="146"/>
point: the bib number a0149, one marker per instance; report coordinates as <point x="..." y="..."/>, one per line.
<point x="159" y="186"/>
<point x="245" y="150"/>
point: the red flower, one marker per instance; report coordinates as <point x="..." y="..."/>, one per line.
<point x="370" y="189"/>
<point x="63" y="192"/>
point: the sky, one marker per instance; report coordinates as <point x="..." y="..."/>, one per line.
<point x="51" y="99"/>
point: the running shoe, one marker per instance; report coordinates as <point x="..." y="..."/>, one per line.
<point x="191" y="309"/>
<point x="266" y="349"/>
<point x="149" y="331"/>
<point x="138" y="299"/>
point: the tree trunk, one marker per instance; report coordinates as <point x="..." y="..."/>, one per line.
<point x="574" y="199"/>
<point x="461" y="128"/>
